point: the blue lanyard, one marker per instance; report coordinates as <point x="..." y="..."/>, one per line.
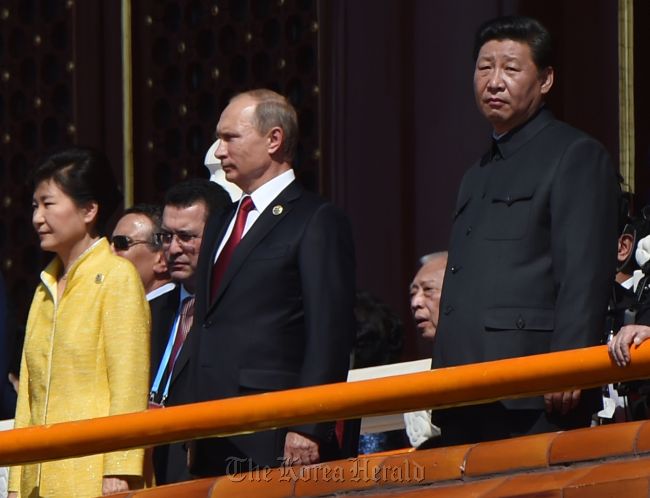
<point x="163" y="363"/>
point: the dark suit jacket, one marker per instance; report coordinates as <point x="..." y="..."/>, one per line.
<point x="163" y="312"/>
<point x="533" y="249"/>
<point x="169" y="460"/>
<point x="282" y="318"/>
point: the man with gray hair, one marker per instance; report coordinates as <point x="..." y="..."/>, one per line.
<point x="425" y="293"/>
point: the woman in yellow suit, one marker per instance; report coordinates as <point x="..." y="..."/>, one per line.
<point x="86" y="350"/>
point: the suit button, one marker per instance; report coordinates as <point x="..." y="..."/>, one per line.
<point x="469" y="230"/>
<point x="448" y="309"/>
<point x="521" y="323"/>
<point x="455" y="268"/>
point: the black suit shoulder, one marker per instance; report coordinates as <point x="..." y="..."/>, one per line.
<point x="163" y="311"/>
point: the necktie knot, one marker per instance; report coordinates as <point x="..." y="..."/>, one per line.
<point x="247" y="204"/>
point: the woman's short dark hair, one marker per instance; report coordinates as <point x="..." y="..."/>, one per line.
<point x="521" y="29"/>
<point x="85" y="176"/>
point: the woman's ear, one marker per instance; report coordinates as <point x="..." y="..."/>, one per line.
<point x="91" y="210"/>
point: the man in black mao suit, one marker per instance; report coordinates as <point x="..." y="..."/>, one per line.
<point x="281" y="316"/>
<point x="533" y="245"/>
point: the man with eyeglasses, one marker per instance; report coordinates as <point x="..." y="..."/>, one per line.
<point x="187" y="207"/>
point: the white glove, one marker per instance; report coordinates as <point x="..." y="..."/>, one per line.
<point x="643" y="251"/>
<point x="419" y="427"/>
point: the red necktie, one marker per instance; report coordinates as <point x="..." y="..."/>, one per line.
<point x="220" y="266"/>
<point x="184" y="326"/>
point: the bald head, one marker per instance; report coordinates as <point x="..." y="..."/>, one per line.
<point x="139" y="228"/>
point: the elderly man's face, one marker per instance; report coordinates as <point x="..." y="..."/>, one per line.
<point x="508" y="86"/>
<point x="425" y="296"/>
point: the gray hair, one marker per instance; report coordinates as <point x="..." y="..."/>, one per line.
<point x="427" y="258"/>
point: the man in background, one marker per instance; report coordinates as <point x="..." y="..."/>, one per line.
<point x="187" y="207"/>
<point x="134" y="238"/>
<point x="425" y="293"/>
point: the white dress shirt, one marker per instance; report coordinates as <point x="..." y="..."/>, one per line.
<point x="163" y="289"/>
<point x="262" y="197"/>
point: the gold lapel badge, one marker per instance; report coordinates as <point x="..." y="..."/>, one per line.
<point x="99" y="278"/>
<point x="277" y="210"/>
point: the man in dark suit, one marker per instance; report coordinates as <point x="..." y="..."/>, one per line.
<point x="533" y="245"/>
<point x="275" y="289"/>
<point x="134" y="238"/>
<point x="187" y="207"/>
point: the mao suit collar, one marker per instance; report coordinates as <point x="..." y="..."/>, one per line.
<point x="512" y="141"/>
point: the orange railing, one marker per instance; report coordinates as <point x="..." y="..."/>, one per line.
<point x="469" y="384"/>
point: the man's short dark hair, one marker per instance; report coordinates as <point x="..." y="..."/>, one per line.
<point x="153" y="212"/>
<point x="189" y="192"/>
<point x="521" y="29"/>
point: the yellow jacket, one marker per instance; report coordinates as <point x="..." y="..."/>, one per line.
<point x="86" y="356"/>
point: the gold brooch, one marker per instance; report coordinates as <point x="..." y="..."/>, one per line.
<point x="277" y="210"/>
<point x="99" y="278"/>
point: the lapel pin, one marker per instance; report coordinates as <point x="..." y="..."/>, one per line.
<point x="277" y="210"/>
<point x="99" y="278"/>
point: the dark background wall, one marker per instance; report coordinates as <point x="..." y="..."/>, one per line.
<point x="383" y="89"/>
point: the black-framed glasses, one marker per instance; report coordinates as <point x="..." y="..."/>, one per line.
<point x="183" y="238"/>
<point x="123" y="242"/>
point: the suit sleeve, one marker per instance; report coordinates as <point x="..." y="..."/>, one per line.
<point x="327" y="269"/>
<point x="583" y="208"/>
<point x="125" y="327"/>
